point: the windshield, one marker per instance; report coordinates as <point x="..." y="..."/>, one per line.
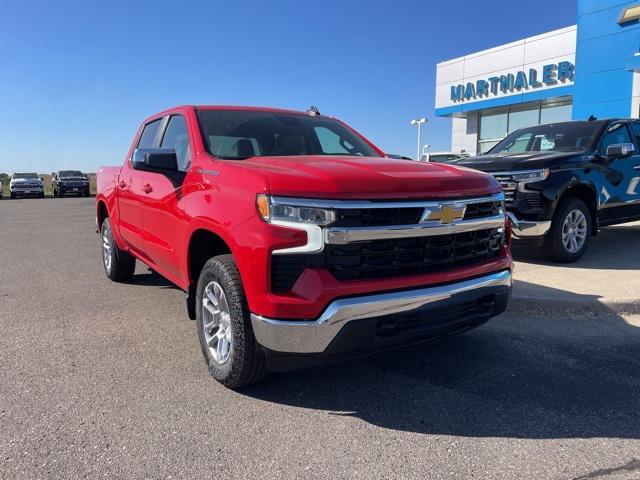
<point x="239" y="134"/>
<point x="71" y="173"/>
<point x="559" y="137"/>
<point x="26" y="175"/>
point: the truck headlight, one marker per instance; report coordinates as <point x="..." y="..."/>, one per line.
<point x="289" y="212"/>
<point x="530" y="176"/>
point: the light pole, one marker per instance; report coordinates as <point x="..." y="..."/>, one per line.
<point x="419" y="123"/>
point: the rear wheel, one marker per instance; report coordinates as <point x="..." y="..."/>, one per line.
<point x="570" y="233"/>
<point x="118" y="264"/>
<point x="224" y="325"/>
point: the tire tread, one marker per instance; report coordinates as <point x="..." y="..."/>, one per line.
<point x="248" y="362"/>
<point x="123" y="265"/>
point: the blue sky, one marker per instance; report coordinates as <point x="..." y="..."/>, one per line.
<point x="76" y="78"/>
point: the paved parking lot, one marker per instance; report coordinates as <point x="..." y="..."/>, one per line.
<point x="105" y="380"/>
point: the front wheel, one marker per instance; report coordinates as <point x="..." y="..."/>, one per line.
<point x="224" y="325"/>
<point x="118" y="264"/>
<point x="570" y="233"/>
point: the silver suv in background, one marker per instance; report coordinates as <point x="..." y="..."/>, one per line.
<point x="26" y="184"/>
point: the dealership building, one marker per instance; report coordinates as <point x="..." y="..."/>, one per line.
<point x="591" y="68"/>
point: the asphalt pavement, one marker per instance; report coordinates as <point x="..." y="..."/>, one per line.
<point x="106" y="380"/>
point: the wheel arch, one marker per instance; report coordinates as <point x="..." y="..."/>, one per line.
<point x="203" y="244"/>
<point x="586" y="193"/>
<point x="102" y="213"/>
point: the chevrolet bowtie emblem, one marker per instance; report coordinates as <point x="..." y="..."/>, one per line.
<point x="446" y="214"/>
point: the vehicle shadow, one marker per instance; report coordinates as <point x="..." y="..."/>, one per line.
<point x="613" y="248"/>
<point x="523" y="375"/>
<point x="151" y="279"/>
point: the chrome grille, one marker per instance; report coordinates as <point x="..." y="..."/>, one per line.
<point x="398" y="238"/>
<point x="509" y="187"/>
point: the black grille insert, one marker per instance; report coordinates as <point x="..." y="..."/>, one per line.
<point x="378" y="217"/>
<point x="390" y="258"/>
<point x="411" y="256"/>
<point x="383" y="217"/>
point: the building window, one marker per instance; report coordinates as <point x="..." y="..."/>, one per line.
<point x="523" y="118"/>
<point x="556" y="113"/>
<point x="500" y="122"/>
<point x="493" y="128"/>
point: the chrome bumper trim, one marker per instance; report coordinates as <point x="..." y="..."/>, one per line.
<point x="364" y="204"/>
<point x="525" y="228"/>
<point x="343" y="236"/>
<point x="314" y="336"/>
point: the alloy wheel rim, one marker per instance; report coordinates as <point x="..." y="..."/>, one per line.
<point x="216" y="320"/>
<point x="574" y="231"/>
<point x="106" y="251"/>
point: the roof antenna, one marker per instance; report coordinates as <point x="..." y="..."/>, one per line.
<point x="593" y="118"/>
<point x="313" y="111"/>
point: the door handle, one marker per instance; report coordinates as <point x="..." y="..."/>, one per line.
<point x="122" y="184"/>
<point x="147" y="188"/>
<point x="637" y="167"/>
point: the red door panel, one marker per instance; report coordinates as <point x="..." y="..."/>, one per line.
<point x="130" y="224"/>
<point x="164" y="226"/>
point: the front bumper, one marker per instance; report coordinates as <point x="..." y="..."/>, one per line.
<point x="389" y="319"/>
<point x="79" y="189"/>
<point x="27" y="190"/>
<point x="527" y="228"/>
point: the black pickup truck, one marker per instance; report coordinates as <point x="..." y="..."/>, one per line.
<point x="563" y="181"/>
<point x="65" y="182"/>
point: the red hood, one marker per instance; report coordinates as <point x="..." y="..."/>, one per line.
<point x="368" y="178"/>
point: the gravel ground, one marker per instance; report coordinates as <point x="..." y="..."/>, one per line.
<point x="104" y="380"/>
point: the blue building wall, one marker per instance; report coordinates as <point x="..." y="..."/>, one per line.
<point x="605" y="60"/>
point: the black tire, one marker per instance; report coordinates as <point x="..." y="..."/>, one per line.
<point x="246" y="363"/>
<point x="553" y="246"/>
<point x="13" y="196"/>
<point x="118" y="264"/>
<point x="41" y="195"/>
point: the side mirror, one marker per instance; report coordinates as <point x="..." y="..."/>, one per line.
<point x="620" y="150"/>
<point x="158" y="160"/>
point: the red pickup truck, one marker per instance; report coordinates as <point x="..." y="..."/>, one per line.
<point x="297" y="241"/>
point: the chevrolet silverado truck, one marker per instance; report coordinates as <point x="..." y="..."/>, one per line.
<point x="297" y="242"/>
<point x="67" y="182"/>
<point x="26" y="184"/>
<point x="564" y="181"/>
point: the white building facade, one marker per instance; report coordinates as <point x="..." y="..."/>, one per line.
<point x="492" y="93"/>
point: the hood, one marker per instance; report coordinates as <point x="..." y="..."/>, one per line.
<point x="515" y="161"/>
<point x="346" y="177"/>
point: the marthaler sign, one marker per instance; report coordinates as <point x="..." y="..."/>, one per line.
<point x="550" y="75"/>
